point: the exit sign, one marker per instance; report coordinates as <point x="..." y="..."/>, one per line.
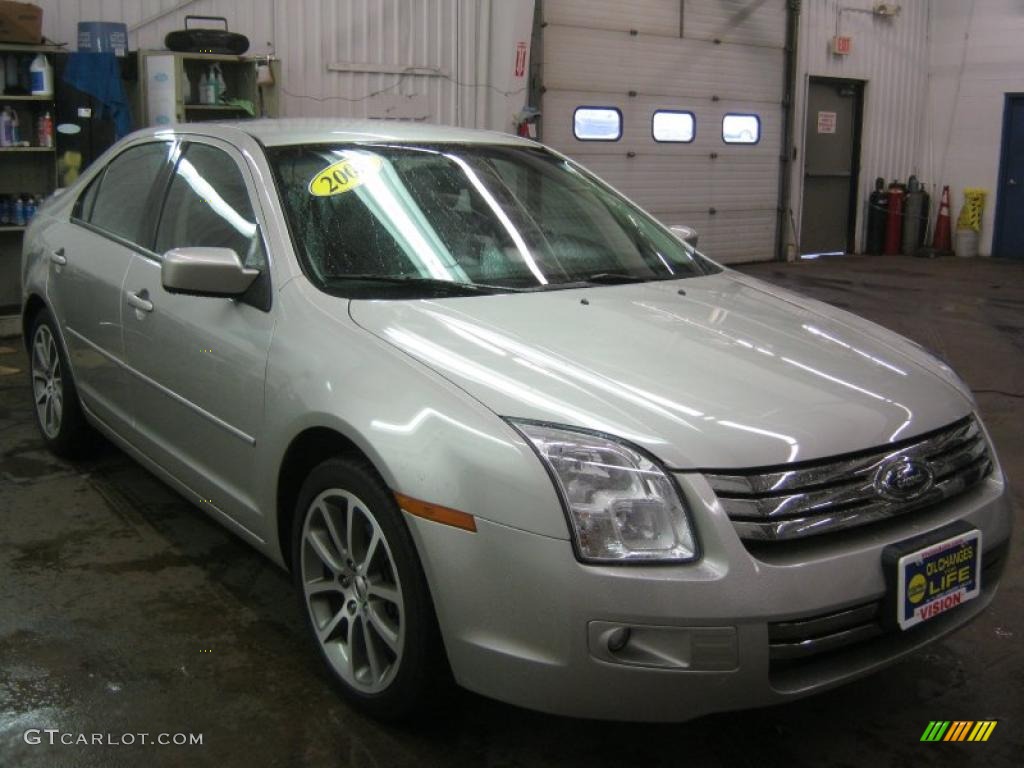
<point x="841" y="45"/>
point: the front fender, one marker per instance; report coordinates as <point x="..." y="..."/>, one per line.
<point x="427" y="437"/>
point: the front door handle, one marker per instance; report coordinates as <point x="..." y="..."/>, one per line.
<point x="58" y="257"/>
<point x="140" y="301"/>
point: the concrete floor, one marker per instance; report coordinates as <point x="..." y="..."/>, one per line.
<point x="124" y="609"/>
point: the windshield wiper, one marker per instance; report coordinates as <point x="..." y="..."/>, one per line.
<point x="614" y="278"/>
<point x="424" y="282"/>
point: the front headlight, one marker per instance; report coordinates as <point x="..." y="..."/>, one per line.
<point x="622" y="506"/>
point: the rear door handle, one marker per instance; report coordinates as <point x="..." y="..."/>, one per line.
<point x="58" y="257"/>
<point x="139" y="301"/>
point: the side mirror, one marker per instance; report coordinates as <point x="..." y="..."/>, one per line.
<point x="687" y="234"/>
<point x="205" y="272"/>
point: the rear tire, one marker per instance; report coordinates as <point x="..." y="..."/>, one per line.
<point x="59" y="417"/>
<point x="361" y="587"/>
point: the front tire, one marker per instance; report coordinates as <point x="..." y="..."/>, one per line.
<point x="363" y="592"/>
<point x="58" y="411"/>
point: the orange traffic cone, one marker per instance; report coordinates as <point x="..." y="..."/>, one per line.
<point x="943" y="236"/>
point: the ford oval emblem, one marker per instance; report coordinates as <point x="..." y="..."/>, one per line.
<point x="903" y="479"/>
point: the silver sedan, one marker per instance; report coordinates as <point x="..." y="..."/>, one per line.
<point x="504" y="427"/>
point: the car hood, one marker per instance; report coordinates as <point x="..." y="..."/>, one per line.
<point x="715" y="372"/>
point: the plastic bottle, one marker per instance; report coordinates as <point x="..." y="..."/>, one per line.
<point x="203" y="87"/>
<point x="30" y="209"/>
<point x="211" y="86"/>
<point x="24" y="75"/>
<point x="222" y="87"/>
<point x="5" y="211"/>
<point x="44" y="130"/>
<point x="6" y="128"/>
<point x="15" y="129"/>
<point x="41" y="73"/>
<point x="11" y="72"/>
<point x="19" y="212"/>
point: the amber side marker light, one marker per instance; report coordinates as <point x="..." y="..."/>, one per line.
<point x="437" y="513"/>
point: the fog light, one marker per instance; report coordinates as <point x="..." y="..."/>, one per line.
<point x="617" y="639"/>
<point x="709" y="649"/>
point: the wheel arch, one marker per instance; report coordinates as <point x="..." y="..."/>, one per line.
<point x="307" y="449"/>
<point x="34" y="304"/>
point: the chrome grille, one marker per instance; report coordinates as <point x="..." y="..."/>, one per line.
<point x="804" y="638"/>
<point x="809" y="638"/>
<point x="813" y="499"/>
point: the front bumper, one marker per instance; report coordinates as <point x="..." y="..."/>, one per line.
<point x="525" y="623"/>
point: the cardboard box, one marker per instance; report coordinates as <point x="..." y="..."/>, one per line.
<point x="21" y="23"/>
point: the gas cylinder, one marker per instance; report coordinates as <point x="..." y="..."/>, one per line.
<point x="878" y="212"/>
<point x="914" y="216"/>
<point x="894" y="220"/>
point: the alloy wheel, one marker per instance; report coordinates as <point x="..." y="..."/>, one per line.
<point x="352" y="590"/>
<point x="47" y="381"/>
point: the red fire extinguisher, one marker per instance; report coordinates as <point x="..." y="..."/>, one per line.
<point x="894" y="224"/>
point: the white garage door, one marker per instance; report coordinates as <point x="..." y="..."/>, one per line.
<point x="708" y="58"/>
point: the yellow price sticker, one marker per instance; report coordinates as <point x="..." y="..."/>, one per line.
<point x="344" y="175"/>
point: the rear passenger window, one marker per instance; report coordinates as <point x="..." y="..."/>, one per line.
<point x="673" y="125"/>
<point x="208" y="205"/>
<point x="741" y="129"/>
<point x="597" y="124"/>
<point x="122" y="192"/>
<point x="83" y="205"/>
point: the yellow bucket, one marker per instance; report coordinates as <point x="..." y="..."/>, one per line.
<point x="974" y="207"/>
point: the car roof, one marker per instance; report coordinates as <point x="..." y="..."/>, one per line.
<point x="275" y="132"/>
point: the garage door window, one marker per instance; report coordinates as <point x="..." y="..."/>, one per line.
<point x="597" y="124"/>
<point x="741" y="129"/>
<point x="673" y="126"/>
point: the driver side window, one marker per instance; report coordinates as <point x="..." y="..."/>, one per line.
<point x="208" y="205"/>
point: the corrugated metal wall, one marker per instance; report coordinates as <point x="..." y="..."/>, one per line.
<point x="349" y="58"/>
<point x="976" y="59"/>
<point x="450" y="61"/>
<point x="447" y="61"/>
<point x="443" y="61"/>
<point x="253" y="18"/>
<point x="891" y="55"/>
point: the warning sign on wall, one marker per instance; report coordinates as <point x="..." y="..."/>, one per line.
<point x="520" y="67"/>
<point x="826" y="122"/>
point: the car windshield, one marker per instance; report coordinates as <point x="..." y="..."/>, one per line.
<point x="385" y="221"/>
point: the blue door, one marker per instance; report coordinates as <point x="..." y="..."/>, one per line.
<point x="1009" y="234"/>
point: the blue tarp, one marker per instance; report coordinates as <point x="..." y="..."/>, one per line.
<point x="99" y="75"/>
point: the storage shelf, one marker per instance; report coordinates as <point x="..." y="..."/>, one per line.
<point x="26" y="149"/>
<point x="205" y="56"/>
<point x="13" y="97"/>
<point x="29" y="48"/>
<point x="11" y="228"/>
<point x="216" y="107"/>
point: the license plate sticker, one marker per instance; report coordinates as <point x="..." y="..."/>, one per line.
<point x="938" y="578"/>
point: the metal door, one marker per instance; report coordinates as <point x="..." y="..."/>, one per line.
<point x="198" y="362"/>
<point x="831" y="154"/>
<point x="1009" y="237"/>
<point x="86" y="273"/>
<point x="89" y="258"/>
